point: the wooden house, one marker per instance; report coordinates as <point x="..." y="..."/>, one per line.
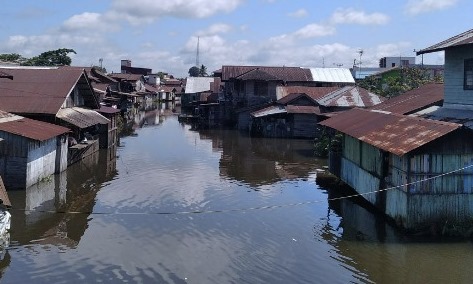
<point x="109" y="132"/>
<point x="196" y="92"/>
<point x="299" y="110"/>
<point x="417" y="170"/>
<point x="31" y="150"/>
<point x="58" y="95"/>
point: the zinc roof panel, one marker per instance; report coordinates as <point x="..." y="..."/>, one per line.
<point x="37" y="90"/>
<point x="390" y="132"/>
<point x="414" y="100"/>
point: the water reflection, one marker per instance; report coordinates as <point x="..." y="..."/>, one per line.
<point x="137" y="218"/>
<point x="260" y="161"/>
<point x="74" y="191"/>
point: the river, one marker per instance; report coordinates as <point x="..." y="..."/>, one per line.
<point x="176" y="205"/>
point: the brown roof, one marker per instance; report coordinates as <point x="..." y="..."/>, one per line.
<point x="458" y="40"/>
<point x="29" y="128"/>
<point x="292" y="74"/>
<point x="290" y="93"/>
<point x="5" y="75"/>
<point x="303" y="109"/>
<point x="126" y="77"/>
<point x="166" y="89"/>
<point x="394" y="133"/>
<point x="107" y="110"/>
<point x="348" y="96"/>
<point x="414" y="100"/>
<point x="43" y="90"/>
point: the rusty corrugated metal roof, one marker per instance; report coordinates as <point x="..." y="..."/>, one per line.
<point x="303" y="109"/>
<point x="270" y="110"/>
<point x="81" y="117"/>
<point x="108" y="110"/>
<point x="125" y="77"/>
<point x="458" y="40"/>
<point x="42" y="90"/>
<point x="414" y="100"/>
<point x="290" y="93"/>
<point x="287" y="74"/>
<point x="29" y="128"/>
<point x="3" y="194"/>
<point x="394" y="133"/>
<point x="350" y="96"/>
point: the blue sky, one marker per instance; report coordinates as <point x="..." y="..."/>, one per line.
<point x="162" y="35"/>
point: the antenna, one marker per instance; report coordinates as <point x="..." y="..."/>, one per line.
<point x="100" y="61"/>
<point x="197" y="63"/>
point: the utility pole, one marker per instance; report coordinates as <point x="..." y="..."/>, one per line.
<point x="360" y="51"/>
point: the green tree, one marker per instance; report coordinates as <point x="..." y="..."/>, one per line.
<point x="100" y="69"/>
<point x="203" y="71"/>
<point x="398" y="81"/>
<point x="58" y="57"/>
<point x="12" y="57"/>
<point x="194" y="71"/>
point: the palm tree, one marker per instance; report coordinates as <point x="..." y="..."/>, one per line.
<point x="203" y="71"/>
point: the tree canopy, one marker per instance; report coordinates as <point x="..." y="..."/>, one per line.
<point x="194" y="71"/>
<point x="58" y="57"/>
<point x="201" y="71"/>
<point x="398" y="82"/>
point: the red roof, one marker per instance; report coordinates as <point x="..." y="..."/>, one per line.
<point x="414" y="100"/>
<point x="43" y="90"/>
<point x="394" y="133"/>
<point x="29" y="128"/>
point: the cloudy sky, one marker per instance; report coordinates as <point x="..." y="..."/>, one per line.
<point x="162" y="34"/>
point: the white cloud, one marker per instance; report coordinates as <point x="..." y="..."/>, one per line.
<point x="314" y="30"/>
<point x="351" y="16"/>
<point x="89" y="21"/>
<point x="146" y="11"/>
<point x="301" y="13"/>
<point x="415" y="7"/>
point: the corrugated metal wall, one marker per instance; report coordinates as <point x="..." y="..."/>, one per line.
<point x="361" y="180"/>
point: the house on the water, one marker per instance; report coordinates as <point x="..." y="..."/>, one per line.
<point x="299" y="110"/>
<point x="30" y="150"/>
<point x="416" y="170"/>
<point x="57" y="95"/>
<point x="197" y="90"/>
<point x="250" y="88"/>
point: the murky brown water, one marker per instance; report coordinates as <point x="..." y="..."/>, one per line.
<point x="182" y="206"/>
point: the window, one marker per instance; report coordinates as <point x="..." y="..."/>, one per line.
<point x="468" y="76"/>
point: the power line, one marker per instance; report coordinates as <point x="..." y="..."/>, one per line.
<point x="244" y="209"/>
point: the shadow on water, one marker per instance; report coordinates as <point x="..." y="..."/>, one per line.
<point x="56" y="211"/>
